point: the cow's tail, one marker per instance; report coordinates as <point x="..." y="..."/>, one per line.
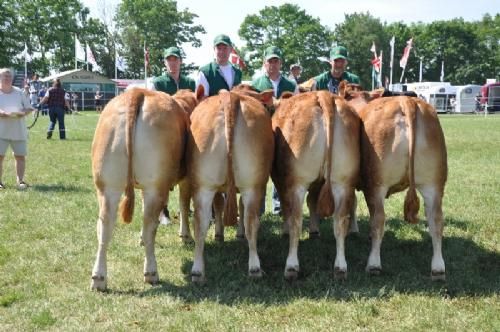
<point x="230" y="105"/>
<point x="326" y="203"/>
<point x="412" y="203"/>
<point x="127" y="204"/>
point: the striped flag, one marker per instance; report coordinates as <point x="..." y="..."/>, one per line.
<point x="376" y="61"/>
<point x="406" y="53"/>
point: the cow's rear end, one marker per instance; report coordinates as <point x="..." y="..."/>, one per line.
<point x="139" y="143"/>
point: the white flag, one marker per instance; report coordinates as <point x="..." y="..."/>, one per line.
<point x="27" y="56"/>
<point x="392" y="43"/>
<point x="91" y="59"/>
<point x="79" y="51"/>
<point x="120" y="62"/>
<point x="441" y="78"/>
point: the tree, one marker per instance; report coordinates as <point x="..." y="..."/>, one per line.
<point x="300" y="36"/>
<point x="357" y="33"/>
<point x="159" y="24"/>
<point x="8" y="35"/>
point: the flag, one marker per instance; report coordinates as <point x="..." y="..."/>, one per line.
<point x="406" y="53"/>
<point x="376" y="61"/>
<point x="91" y="58"/>
<point x="120" y="63"/>
<point x="146" y="56"/>
<point x="79" y="51"/>
<point x="441" y="78"/>
<point x="27" y="56"/>
<point x="235" y="59"/>
<point x="392" y="43"/>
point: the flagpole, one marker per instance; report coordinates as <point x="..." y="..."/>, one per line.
<point x="373" y="74"/>
<point x="420" y="72"/>
<point x="402" y="74"/>
<point x="116" y="59"/>
<point x="380" y="72"/>
<point x="86" y="57"/>
<point x="76" y="61"/>
<point x="145" y="67"/>
<point x="392" y="58"/>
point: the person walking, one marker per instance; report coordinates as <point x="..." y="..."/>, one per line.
<point x="56" y="101"/>
<point x="14" y="106"/>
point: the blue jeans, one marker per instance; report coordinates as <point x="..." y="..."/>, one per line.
<point x="56" y="114"/>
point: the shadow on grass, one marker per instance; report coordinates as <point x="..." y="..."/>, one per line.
<point x="59" y="188"/>
<point x="471" y="269"/>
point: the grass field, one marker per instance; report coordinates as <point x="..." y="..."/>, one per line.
<point x="48" y="244"/>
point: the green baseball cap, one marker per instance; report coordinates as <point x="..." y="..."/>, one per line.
<point x="223" y="39"/>
<point x="273" y="52"/>
<point x="172" y="51"/>
<point x="338" y="52"/>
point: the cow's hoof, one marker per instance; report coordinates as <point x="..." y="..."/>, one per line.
<point x="374" y="270"/>
<point x="197" y="277"/>
<point x="292" y="273"/>
<point x="98" y="283"/>
<point x="339" y="274"/>
<point x="151" y="278"/>
<point x="438" y="276"/>
<point x="314" y="235"/>
<point x="219" y="238"/>
<point x="255" y="273"/>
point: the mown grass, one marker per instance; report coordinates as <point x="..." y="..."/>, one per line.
<point x="48" y="244"/>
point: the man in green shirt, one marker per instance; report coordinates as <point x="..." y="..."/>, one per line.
<point x="220" y="73"/>
<point x="330" y="80"/>
<point x="272" y="78"/>
<point x="172" y="80"/>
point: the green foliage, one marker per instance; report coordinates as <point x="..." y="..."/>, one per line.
<point x="300" y="36"/>
<point x="48" y="245"/>
<point x="357" y="33"/>
<point x="158" y="23"/>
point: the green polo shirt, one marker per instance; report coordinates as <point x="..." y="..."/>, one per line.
<point x="326" y="81"/>
<point x="215" y="80"/>
<point x="167" y="84"/>
<point x="264" y="83"/>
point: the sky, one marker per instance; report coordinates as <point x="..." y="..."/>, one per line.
<point x="222" y="16"/>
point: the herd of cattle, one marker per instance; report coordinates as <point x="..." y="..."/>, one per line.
<point x="317" y="143"/>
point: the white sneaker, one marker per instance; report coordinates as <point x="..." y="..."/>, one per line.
<point x="22" y="185"/>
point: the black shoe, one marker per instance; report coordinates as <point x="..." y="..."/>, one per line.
<point x="2" y="186"/>
<point x="49" y="135"/>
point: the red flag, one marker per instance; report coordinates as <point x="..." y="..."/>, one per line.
<point x="376" y="60"/>
<point x="406" y="53"/>
<point x="235" y="59"/>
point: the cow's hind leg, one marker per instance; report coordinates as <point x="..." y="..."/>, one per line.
<point x="202" y="199"/>
<point x="152" y="204"/>
<point x="184" y="202"/>
<point x="343" y="197"/>
<point x="108" y="206"/>
<point x="375" y="202"/>
<point x="434" y="214"/>
<point x="293" y="203"/>
<point x="251" y="202"/>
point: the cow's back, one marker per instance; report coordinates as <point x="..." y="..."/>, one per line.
<point x="385" y="144"/>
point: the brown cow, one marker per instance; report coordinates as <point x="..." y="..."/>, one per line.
<point x="230" y="147"/>
<point x="317" y="150"/>
<point x="403" y="147"/>
<point x="139" y="142"/>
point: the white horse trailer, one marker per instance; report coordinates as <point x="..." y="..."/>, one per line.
<point x="465" y="98"/>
